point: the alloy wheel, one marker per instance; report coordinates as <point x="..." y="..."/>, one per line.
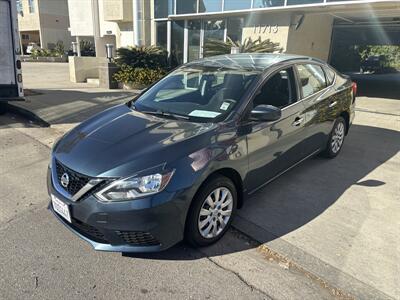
<point x="337" y="137"/>
<point x="215" y="212"/>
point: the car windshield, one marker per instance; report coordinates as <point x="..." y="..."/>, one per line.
<point x="197" y="92"/>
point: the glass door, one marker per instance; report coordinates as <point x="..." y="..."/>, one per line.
<point x="213" y="30"/>
<point x="194" y="28"/>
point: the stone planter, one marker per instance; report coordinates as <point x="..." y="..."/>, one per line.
<point x="45" y="59"/>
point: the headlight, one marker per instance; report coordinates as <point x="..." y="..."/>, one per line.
<point x="134" y="187"/>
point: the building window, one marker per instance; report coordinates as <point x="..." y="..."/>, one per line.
<point x="214" y="30"/>
<point x="177" y="40"/>
<point x="297" y="2"/>
<point x="210" y="5"/>
<point x="194" y="27"/>
<point x="25" y="36"/>
<point x="20" y="8"/>
<point x="267" y="3"/>
<point x="237" y="4"/>
<point x="234" y="29"/>
<point x="163" y="8"/>
<point x="186" y="6"/>
<point x="31" y="4"/>
<point x="162" y="34"/>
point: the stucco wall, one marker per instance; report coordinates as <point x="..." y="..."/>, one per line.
<point x="80" y="17"/>
<point x="28" y="21"/>
<point x="82" y="68"/>
<point x="313" y="38"/>
<point x="268" y="26"/>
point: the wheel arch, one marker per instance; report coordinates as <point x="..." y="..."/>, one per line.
<point x="233" y="175"/>
<point x="346" y="116"/>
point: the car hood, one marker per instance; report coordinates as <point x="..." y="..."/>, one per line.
<point x="120" y="142"/>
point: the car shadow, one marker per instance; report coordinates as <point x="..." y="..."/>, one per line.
<point x="62" y="106"/>
<point x="301" y="195"/>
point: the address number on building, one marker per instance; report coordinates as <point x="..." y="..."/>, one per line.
<point x="266" y="28"/>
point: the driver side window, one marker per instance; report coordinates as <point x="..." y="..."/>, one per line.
<point x="279" y="90"/>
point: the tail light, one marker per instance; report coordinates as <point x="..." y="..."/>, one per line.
<point x="354" y="88"/>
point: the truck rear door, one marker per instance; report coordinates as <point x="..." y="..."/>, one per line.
<point x="9" y="87"/>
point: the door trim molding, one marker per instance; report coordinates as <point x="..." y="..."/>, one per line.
<point x="283" y="172"/>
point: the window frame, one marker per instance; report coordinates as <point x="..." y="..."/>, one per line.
<point x="299" y="84"/>
<point x="269" y="76"/>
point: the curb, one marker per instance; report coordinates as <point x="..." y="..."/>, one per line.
<point x="27" y="114"/>
<point x="343" y="285"/>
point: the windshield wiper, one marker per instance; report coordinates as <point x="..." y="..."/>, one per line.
<point x="164" y="114"/>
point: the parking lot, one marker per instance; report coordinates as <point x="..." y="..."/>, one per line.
<point x="326" y="229"/>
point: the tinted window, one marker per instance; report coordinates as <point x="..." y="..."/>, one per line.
<point x="330" y="75"/>
<point x="214" y="30"/>
<point x="312" y="79"/>
<point x="279" y="90"/>
<point x="267" y="3"/>
<point x="210" y="5"/>
<point x="235" y="28"/>
<point x="161" y="34"/>
<point x="163" y="8"/>
<point x="177" y="40"/>
<point x="237" y="4"/>
<point x="186" y="6"/>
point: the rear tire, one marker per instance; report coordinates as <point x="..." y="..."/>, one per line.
<point x="211" y="212"/>
<point x="336" y="138"/>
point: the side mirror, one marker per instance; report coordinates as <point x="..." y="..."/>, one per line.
<point x="265" y="113"/>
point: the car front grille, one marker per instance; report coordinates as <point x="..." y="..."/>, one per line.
<point x="76" y="180"/>
<point x="138" y="238"/>
<point x="88" y="231"/>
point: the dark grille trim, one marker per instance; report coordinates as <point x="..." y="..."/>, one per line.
<point x="88" y="231"/>
<point x="138" y="238"/>
<point x="77" y="180"/>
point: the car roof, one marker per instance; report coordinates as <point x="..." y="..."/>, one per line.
<point x="249" y="61"/>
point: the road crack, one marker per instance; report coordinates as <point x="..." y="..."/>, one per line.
<point x="240" y="277"/>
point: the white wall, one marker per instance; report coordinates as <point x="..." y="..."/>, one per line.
<point x="80" y="17"/>
<point x="313" y="38"/>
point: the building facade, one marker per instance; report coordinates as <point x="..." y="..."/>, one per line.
<point x="43" y="22"/>
<point x="111" y="22"/>
<point x="317" y="28"/>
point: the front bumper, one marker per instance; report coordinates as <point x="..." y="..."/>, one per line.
<point x="142" y="225"/>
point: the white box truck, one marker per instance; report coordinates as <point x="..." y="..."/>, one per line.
<point x="10" y="64"/>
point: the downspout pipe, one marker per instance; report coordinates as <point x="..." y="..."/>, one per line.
<point x="138" y="23"/>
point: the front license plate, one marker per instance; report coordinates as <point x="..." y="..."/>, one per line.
<point x="61" y="208"/>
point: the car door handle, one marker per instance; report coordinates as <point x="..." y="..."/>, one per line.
<point x="297" y="121"/>
<point x="332" y="104"/>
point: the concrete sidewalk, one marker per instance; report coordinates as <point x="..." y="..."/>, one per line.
<point x="339" y="219"/>
<point x="56" y="100"/>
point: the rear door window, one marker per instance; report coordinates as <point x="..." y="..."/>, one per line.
<point x="330" y="75"/>
<point x="311" y="79"/>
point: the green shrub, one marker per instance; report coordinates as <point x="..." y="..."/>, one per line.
<point x="141" y="76"/>
<point x="151" y="57"/>
<point x="59" y="49"/>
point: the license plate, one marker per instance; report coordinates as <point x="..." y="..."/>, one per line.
<point x="61" y="208"/>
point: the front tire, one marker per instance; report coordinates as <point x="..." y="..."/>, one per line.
<point x="211" y="212"/>
<point x="336" y="138"/>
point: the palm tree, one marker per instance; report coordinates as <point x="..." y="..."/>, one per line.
<point x="216" y="47"/>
